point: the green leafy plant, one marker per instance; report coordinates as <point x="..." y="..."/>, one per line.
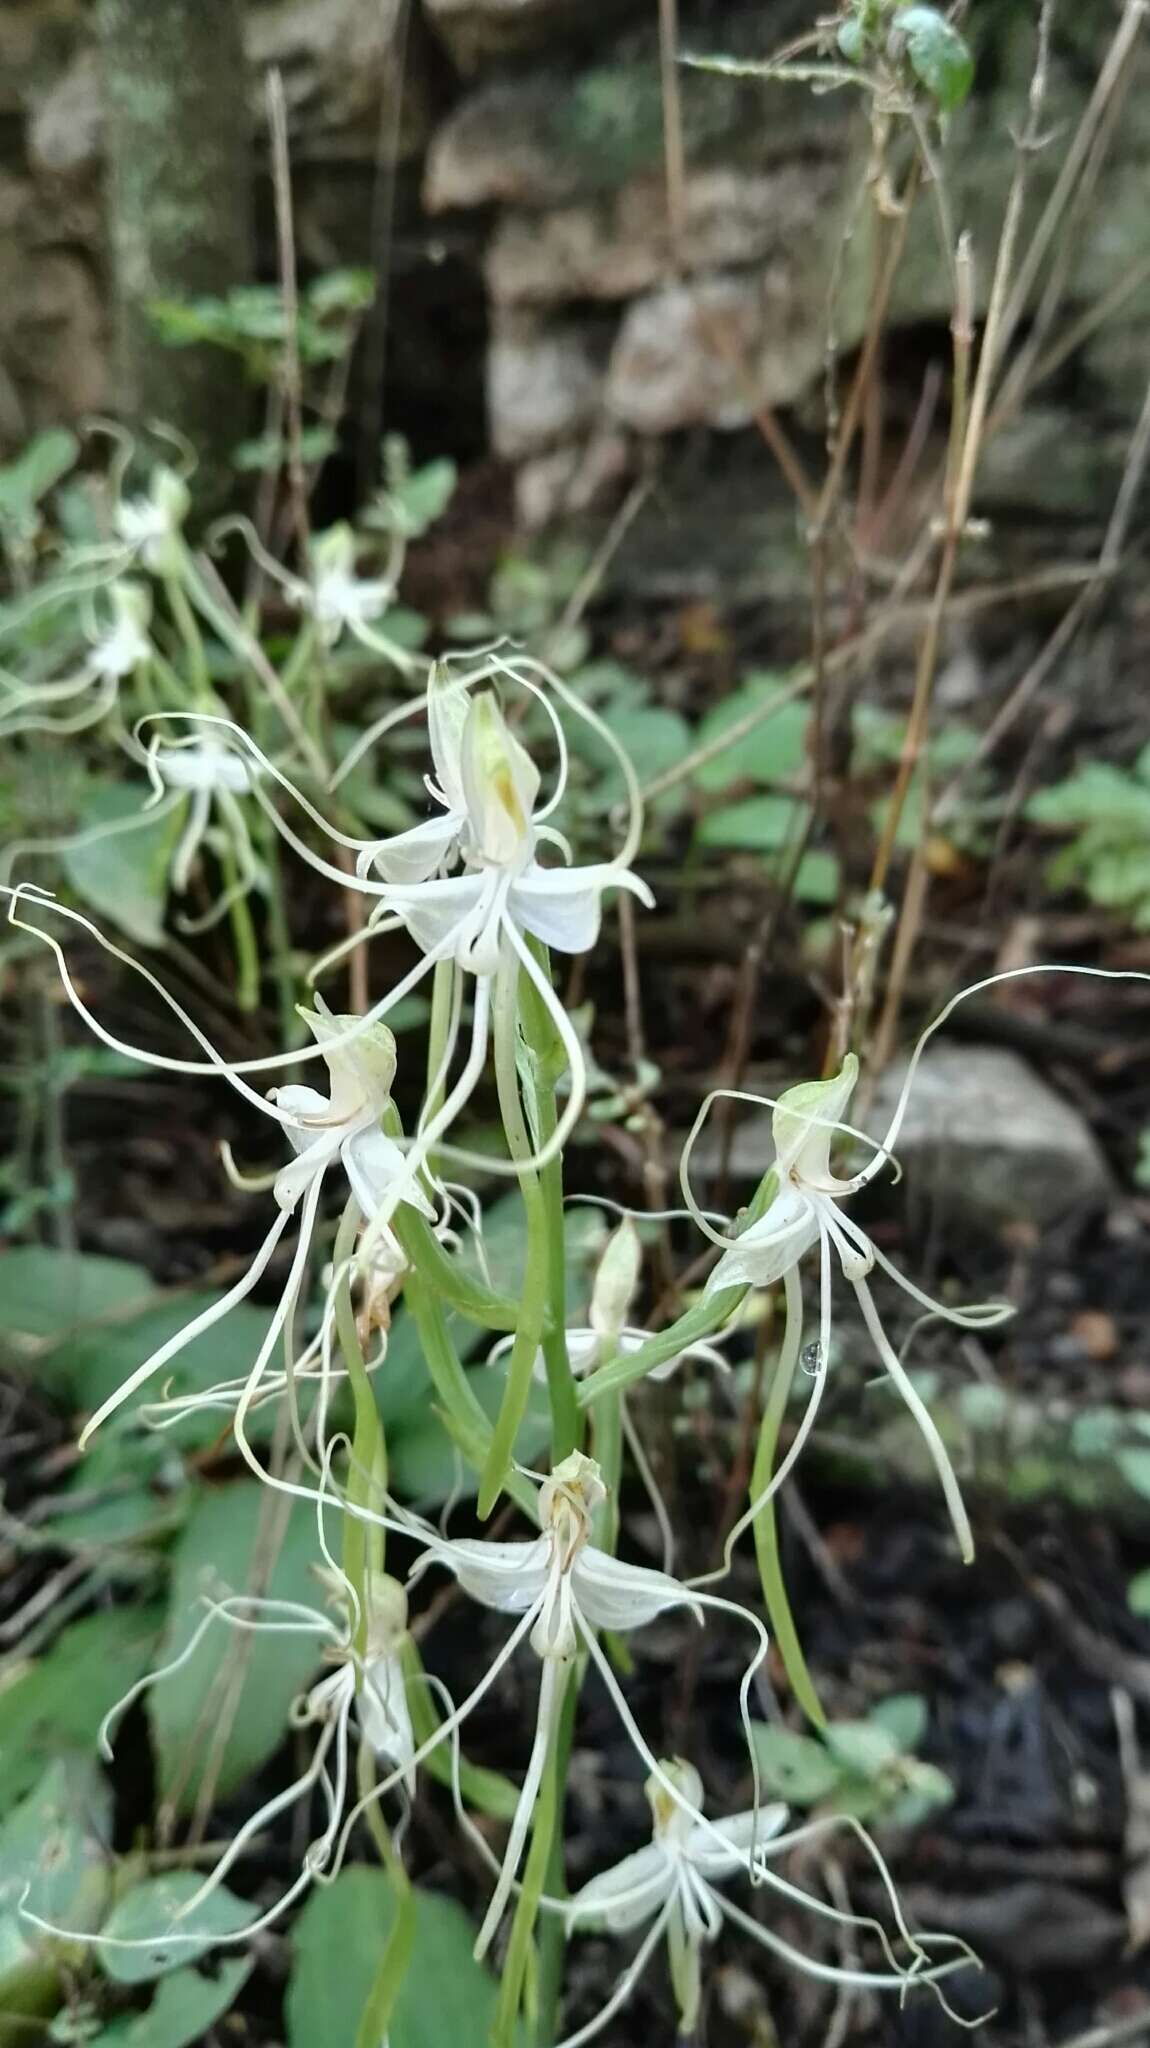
<point x="1107" y="810"/>
<point x="865" y="1768"/>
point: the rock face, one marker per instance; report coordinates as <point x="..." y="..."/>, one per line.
<point x="989" y="1142"/>
<point x="534" y="131"/>
<point x="357" y="79"/>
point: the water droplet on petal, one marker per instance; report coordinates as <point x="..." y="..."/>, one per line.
<point x="811" y="1359"/>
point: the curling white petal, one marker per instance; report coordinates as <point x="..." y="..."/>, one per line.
<point x="447" y="707"/>
<point x="436" y="913"/>
<point x="740" y="1830"/>
<point x="629" y="1893"/>
<point x="563" y="907"/>
<point x="416" y="855"/>
<point x="510" y="1577"/>
<point x="615" y="1595"/>
<point x="768" y="1248"/>
<point x="374" y="1163"/>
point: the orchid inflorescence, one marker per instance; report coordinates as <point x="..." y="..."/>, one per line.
<point x="485" y="889"/>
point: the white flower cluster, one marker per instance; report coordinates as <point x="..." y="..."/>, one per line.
<point x="486" y="887"/>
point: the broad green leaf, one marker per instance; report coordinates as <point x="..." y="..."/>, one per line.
<point x="924" y="1789"/>
<point x="904" y="1716"/>
<point x="414" y="502"/>
<point x="1134" y="1466"/>
<point x="48" y="1294"/>
<point x="184" y="2009"/>
<point x="98" y="1360"/>
<point x="55" y="1848"/>
<point x="1138" y="1594"/>
<point x="59" y="1700"/>
<point x="347" y="290"/>
<point x="215" y="1555"/>
<point x="653" y="738"/>
<point x="1098" y="794"/>
<point x="772" y="752"/>
<point x="756" y="825"/>
<point x="125" y="875"/>
<point x="817" y="879"/>
<point x="794" y="1767"/>
<point x="861" y="1747"/>
<point x="39" y="467"/>
<point x="150" y="1908"/>
<point x="447" y="1999"/>
<point x="852" y="41"/>
<point x="940" y="58"/>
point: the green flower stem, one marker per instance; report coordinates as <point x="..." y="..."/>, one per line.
<point x="363" y="1542"/>
<point x="443" y="981"/>
<point x="379" y="2008"/>
<point x="299" y="657"/>
<point x="765" y="1526"/>
<point x="243" y="936"/>
<point x="463" y="1416"/>
<point x="546" y="1061"/>
<point x="607" y="1442"/>
<point x="446" y="1274"/>
<point x="703" y="1319"/>
<point x="486" y="1790"/>
<point x="553" y="1932"/>
<point x="537" y="1261"/>
<point x="545" y="1834"/>
<point x="192" y="640"/>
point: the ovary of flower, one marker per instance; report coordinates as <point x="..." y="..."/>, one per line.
<point x="672" y="1883"/>
<point x="806" y="1211"/>
<point x="339" y="1127"/>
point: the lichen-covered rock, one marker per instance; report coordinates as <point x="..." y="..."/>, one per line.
<point x="477" y="32"/>
<point x="351" y="77"/>
<point x="355" y="73"/>
<point x="712" y="352"/>
<point x="988" y="1143"/>
<point x="544" y="385"/>
<point x="53" y="325"/>
<point x="624" y="246"/>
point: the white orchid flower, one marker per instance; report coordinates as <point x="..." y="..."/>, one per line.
<point x="151" y="525"/>
<point x="366" y="1690"/>
<point x="563" y="1589"/>
<point x="805" y="1211"/>
<point x="341" y="1127"/>
<point x="117" y="650"/>
<point x="213" y="778"/>
<point x="341" y="601"/>
<point x="673" y="1884"/>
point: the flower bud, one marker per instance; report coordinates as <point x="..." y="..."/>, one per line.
<point x="500" y="782"/>
<point x="616" y="1280"/>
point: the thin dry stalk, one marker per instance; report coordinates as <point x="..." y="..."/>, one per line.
<point x="291" y="372"/>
